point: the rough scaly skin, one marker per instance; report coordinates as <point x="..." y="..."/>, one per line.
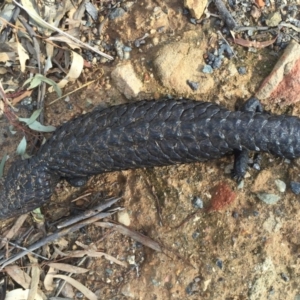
<point x="142" y="134"/>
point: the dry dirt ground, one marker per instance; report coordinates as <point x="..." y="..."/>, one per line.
<point x="250" y="250"/>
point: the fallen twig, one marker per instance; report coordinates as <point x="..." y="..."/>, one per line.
<point x="133" y="234"/>
<point x="51" y="238"/>
<point x="90" y="213"/>
<point x="225" y="14"/>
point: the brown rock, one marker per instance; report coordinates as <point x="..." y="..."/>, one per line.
<point x="283" y="84"/>
<point x="181" y="62"/>
<point x="126" y="80"/>
<point x="196" y="7"/>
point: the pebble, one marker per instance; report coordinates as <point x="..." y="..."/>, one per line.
<point x="193" y="21"/>
<point x="193" y="85"/>
<point x="126" y="80"/>
<point x="207" y="69"/>
<point x="228" y="168"/>
<point x="131" y="260"/>
<point x="235" y="214"/>
<point x="268" y="198"/>
<point x="295" y="187"/>
<point x="197" y="202"/>
<point x="219" y="263"/>
<point x="281" y="186"/>
<point x="195" y="235"/>
<point x="123" y="217"/>
<point x="241" y="185"/>
<point x="116" y="13"/>
<point x="242" y="70"/>
<point x="274" y="19"/>
<point x="155" y="41"/>
<point x="196" y="7"/>
<point x="256" y="166"/>
<point x="285" y="277"/>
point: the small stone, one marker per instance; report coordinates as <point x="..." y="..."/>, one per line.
<point x="256" y="166"/>
<point x="285" y="277"/>
<point x="228" y="169"/>
<point x="126" y="80"/>
<point x="193" y="21"/>
<point x="207" y="69"/>
<point x="195" y="235"/>
<point x="241" y="185"/>
<point x="295" y="187"/>
<point x="116" y="13"/>
<point x="155" y="41"/>
<point x="219" y="263"/>
<point x="123" y="217"/>
<point x="235" y="214"/>
<point x="109" y="272"/>
<point x="242" y="70"/>
<point x="281" y="186"/>
<point x="131" y="260"/>
<point x="274" y="19"/>
<point x="255" y="213"/>
<point x="196" y="7"/>
<point x="268" y="198"/>
<point x="193" y="85"/>
<point x="197" y="202"/>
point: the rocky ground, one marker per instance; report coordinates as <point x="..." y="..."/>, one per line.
<point x="250" y="248"/>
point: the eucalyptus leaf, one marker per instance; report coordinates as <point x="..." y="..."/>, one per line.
<point x="35" y="81"/>
<point x="32" y="118"/>
<point x="21" y="149"/>
<point x="11" y="129"/>
<point x="38" y="79"/>
<point x="37" y="126"/>
<point x="50" y="82"/>
<point x="2" y="164"/>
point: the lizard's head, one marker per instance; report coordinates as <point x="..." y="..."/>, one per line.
<point x="28" y="185"/>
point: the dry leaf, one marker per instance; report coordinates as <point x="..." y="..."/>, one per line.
<point x="23" y="56"/>
<point x="35" y="273"/>
<point x="16" y="100"/>
<point x="5" y="56"/>
<point x="14" y="230"/>
<point x="88" y="293"/>
<point x="253" y="44"/>
<point x="93" y="253"/>
<point x="48" y="281"/>
<point x="20" y="294"/>
<point x="18" y="275"/>
<point x="74" y="72"/>
<point x="68" y="268"/>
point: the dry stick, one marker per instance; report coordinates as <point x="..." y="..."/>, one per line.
<point x="225" y="14"/>
<point x="253" y="28"/>
<point x="89" y="213"/>
<point x="133" y="234"/>
<point x="51" y="238"/>
<point x="65" y="95"/>
<point x="23" y="248"/>
<point x="37" y="50"/>
<point x="79" y="42"/>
